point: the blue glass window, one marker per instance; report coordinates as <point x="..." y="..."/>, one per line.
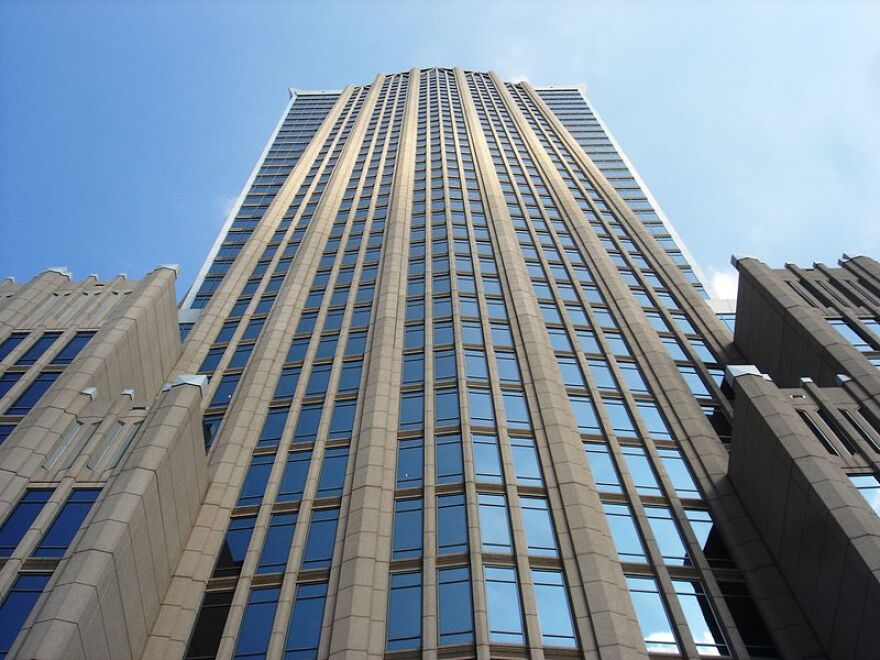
<point x="487" y="461"/>
<point x="481" y="409"/>
<point x="293" y="481"/>
<point x="678" y="472"/>
<point x="22" y="517"/>
<point x="410" y="463"/>
<point x="350" y="377"/>
<point x="256" y="624"/>
<point x="225" y="390"/>
<point x="412" y="411"/>
<point x="452" y="534"/>
<point x="667" y="536"/>
<point x="333" y="472"/>
<point x="404" y="622"/>
<point x="407" y="539"/>
<point x="446" y="411"/>
<point x="58" y="537"/>
<point x="318" y="380"/>
<point x="624" y="532"/>
<point x="273" y="427"/>
<point x="307" y="424"/>
<point x="413" y="368"/>
<point x="276" y="546"/>
<point x="448" y="459"/>
<point x="17" y="606"/>
<point x="584" y="414"/>
<point x="621" y="421"/>
<point x="304" y="632"/>
<point x="602" y="467"/>
<point x="254" y="485"/>
<point x="554" y="611"/>
<point x="322" y="536"/>
<point x="516" y="410"/>
<point x="11" y="343"/>
<point x="503" y="603"/>
<point x="39" y="347"/>
<point x="494" y="523"/>
<point x="32" y="393"/>
<point x="705" y="630"/>
<point x="444" y="365"/>
<point x="235" y="545"/>
<point x="208" y="629"/>
<point x="475" y="363"/>
<point x="67" y="354"/>
<point x="540" y="537"/>
<point x="651" y="613"/>
<point x="640" y="469"/>
<point x="455" y="606"/>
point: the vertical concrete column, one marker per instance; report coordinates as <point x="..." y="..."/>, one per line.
<point x="358" y="626"/>
<point x="612" y="630"/>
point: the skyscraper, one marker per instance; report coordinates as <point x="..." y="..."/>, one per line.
<point x="449" y="386"/>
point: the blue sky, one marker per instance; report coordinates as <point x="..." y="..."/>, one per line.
<point x="127" y="128"/>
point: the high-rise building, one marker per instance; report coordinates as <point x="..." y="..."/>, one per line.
<point x="448" y="385"/>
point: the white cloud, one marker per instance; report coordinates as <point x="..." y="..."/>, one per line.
<point x="723" y="283"/>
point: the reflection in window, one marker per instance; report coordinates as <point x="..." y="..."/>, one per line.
<point x="697" y="611"/>
<point x="63" y="529"/>
<point x="652" y="615"/>
<point x="322" y="535"/>
<point x="208" y="629"/>
<point x="277" y="544"/>
<point x="538" y="524"/>
<point x="410" y="463"/>
<point x="503" y="603"/>
<point x="407" y="538"/>
<point x="869" y="487"/>
<point x="602" y="467"/>
<point x="254" y="485"/>
<point x="404" y="622"/>
<point x="678" y="472"/>
<point x="640" y="469"/>
<point x="624" y="532"/>
<point x="235" y="545"/>
<point x="452" y="533"/>
<point x="487" y="462"/>
<point x="455" y="607"/>
<point x="22" y="517"/>
<point x="554" y="612"/>
<point x="304" y="631"/>
<point x="333" y="472"/>
<point x="293" y="481"/>
<point x="448" y="459"/>
<point x="256" y="624"/>
<point x="667" y="536"/>
<point x="494" y="523"/>
<point x="17" y="606"/>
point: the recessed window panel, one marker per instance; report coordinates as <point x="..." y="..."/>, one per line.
<point x="455" y="614"/>
<point x="602" y="467"/>
<point x="410" y="463"/>
<point x="333" y="467"/>
<point x="554" y="611"/>
<point x="705" y="631"/>
<point x="540" y="537"/>
<point x="412" y="411"/>
<point x="404" y="621"/>
<point x="67" y="523"/>
<point x="304" y="631"/>
<point x="446" y="410"/>
<point x="407" y="534"/>
<point x="487" y="461"/>
<point x="276" y="546"/>
<point x="678" y="472"/>
<point x="256" y="624"/>
<point x="652" y="615"/>
<point x="526" y="462"/>
<point x="254" y="486"/>
<point x="494" y="523"/>
<point x="36" y="350"/>
<point x="273" y="427"/>
<point x="307" y="423"/>
<point x="293" y="480"/>
<point x="32" y="393"/>
<point x="503" y="604"/>
<point x="667" y="536"/>
<point x="22" y="517"/>
<point x="624" y="532"/>
<point x="235" y="545"/>
<point x="17" y="606"/>
<point x="639" y="466"/>
<point x="318" y="552"/>
<point x="208" y="629"/>
<point x="452" y="533"/>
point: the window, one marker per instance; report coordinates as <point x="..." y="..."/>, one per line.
<point x="5" y="431"/>
<point x="208" y="629"/>
<point x="494" y="523"/>
<point x="455" y="607"/>
<point x="749" y="622"/>
<point x="667" y="536"/>
<point x="538" y="524"/>
<point x="448" y="459"/>
<point x="621" y="421"/>
<point x="404" y="622"/>
<point x="414" y="337"/>
<point x="554" y="611"/>
<point x="602" y="467"/>
<point x="632" y="376"/>
<point x="7" y="380"/>
<point x="273" y="427"/>
<point x="446" y="411"/>
<point x="333" y="472"/>
<point x="640" y="469"/>
<point x="32" y="393"/>
<point x="698" y="612"/>
<point x="293" y="481"/>
<point x="22" y="517"/>
<point x="210" y="427"/>
<point x="508" y="367"/>
<point x="651" y="613"/>
<point x="235" y="545"/>
<point x="475" y="363"/>
<point x="526" y="462"/>
<point x="67" y="354"/>
<point x="487" y="462"/>
<point x="412" y="411"/>
<point x="276" y="547"/>
<point x="287" y="383"/>
<point x="584" y="414"/>
<point x="452" y="534"/>
<point x="240" y="356"/>
<point x="225" y="390"/>
<point x="516" y="410"/>
<point x="342" y="421"/>
<point x="256" y="624"/>
<point x="410" y="463"/>
<point x="571" y="372"/>
<point x="63" y="529"/>
<point x="11" y="343"/>
<point x="678" y="473"/>
<point x="39" y="347"/>
<point x="444" y="365"/>
<point x="481" y="409"/>
<point x="407" y="537"/>
<point x="624" y="532"/>
<point x="414" y="368"/>
<point x="307" y="424"/>
<point x="322" y="536"/>
<point x="694" y="382"/>
<point x="869" y="487"/>
<point x="503" y="603"/>
<point x="653" y="420"/>
<point x="255" y="480"/>
<point x="318" y="380"/>
<point x="17" y="606"/>
<point x="709" y="538"/>
<point x="304" y="632"/>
